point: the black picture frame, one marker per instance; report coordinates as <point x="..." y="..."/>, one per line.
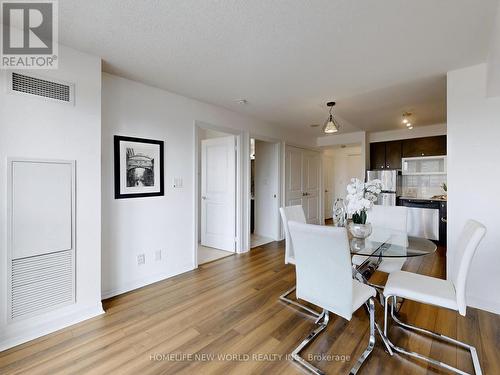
<point x="119" y="194"/>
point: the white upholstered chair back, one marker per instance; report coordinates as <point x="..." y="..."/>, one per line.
<point x="323" y="267"/>
<point x="472" y="234"/>
<point x="389" y="225"/>
<point x="291" y="213"/>
<point x="390" y="217"/>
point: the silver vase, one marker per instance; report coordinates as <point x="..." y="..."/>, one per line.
<point x="360" y="230"/>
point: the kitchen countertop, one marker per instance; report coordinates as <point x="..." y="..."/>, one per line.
<point x="423" y="199"/>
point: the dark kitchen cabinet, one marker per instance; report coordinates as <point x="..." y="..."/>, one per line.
<point x="393" y="154"/>
<point x="385" y="155"/>
<point x="377" y="155"/>
<point x="427" y="146"/>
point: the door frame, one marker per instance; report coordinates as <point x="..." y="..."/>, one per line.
<point x="240" y="182"/>
<point x="325" y="157"/>
<point x="279" y="149"/>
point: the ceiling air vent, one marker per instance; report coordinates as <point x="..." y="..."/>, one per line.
<point x="24" y="84"/>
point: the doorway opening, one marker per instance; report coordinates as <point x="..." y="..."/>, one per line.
<point x="217" y="191"/>
<point x="340" y="164"/>
<point x="264" y="192"/>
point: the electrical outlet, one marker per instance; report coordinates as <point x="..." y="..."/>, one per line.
<point x="141" y="259"/>
<point x="158" y="255"/>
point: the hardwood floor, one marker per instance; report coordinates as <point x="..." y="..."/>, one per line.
<point x="230" y="307"/>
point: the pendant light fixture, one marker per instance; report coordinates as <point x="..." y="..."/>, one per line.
<point x="331" y="124"/>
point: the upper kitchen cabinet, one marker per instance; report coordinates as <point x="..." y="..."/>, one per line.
<point x="428" y="146"/>
<point x="377" y="155"/>
<point x="393" y="154"/>
<point x="385" y="155"/>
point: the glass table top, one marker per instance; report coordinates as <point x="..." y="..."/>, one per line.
<point x="387" y="243"/>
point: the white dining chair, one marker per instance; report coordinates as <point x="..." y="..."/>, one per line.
<point x="449" y="293"/>
<point x="324" y="278"/>
<point x="293" y="213"/>
<point x="390" y="218"/>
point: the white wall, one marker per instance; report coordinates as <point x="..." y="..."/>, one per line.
<point x="341" y="139"/>
<point x="266" y="181"/>
<point x="494" y="59"/>
<point x="355" y="138"/>
<point x="33" y="127"/>
<point x="146" y="225"/>
<point x="416" y="132"/>
<point x="473" y="178"/>
<point x="347" y="164"/>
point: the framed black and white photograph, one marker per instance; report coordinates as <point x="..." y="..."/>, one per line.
<point x="138" y="167"/>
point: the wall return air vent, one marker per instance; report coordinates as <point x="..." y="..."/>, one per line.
<point x="50" y="89"/>
<point x="41" y="242"/>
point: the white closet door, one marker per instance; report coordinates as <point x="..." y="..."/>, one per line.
<point x="311" y="186"/>
<point x="293" y="177"/>
<point x="302" y="178"/>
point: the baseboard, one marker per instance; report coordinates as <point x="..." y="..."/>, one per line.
<point x="489" y="305"/>
<point x="139" y="283"/>
<point x="54" y="325"/>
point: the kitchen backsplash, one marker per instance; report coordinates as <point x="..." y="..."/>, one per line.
<point x="423" y="186"/>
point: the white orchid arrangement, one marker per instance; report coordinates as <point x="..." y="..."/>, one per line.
<point x="360" y="198"/>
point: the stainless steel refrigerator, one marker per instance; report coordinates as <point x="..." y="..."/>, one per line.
<point x="390" y="185"/>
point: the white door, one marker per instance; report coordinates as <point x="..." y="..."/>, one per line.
<point x="311" y="187"/>
<point x="293" y="177"/>
<point x="266" y="186"/>
<point x="328" y="186"/>
<point x="302" y="177"/>
<point x="218" y="193"/>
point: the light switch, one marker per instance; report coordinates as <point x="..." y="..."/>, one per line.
<point x="177" y="182"/>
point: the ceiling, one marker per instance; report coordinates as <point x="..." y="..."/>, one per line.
<point x="287" y="58"/>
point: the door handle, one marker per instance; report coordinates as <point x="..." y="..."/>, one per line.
<point x="444" y="220"/>
<point x="203" y="197"/>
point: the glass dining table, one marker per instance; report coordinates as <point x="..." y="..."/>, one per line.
<point x="384" y="244"/>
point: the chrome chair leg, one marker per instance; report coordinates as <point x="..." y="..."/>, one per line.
<point x="310" y="312"/>
<point x="362" y="279"/>
<point x="322" y="322"/>
<point x="381" y="334"/>
<point x="371" y="342"/>
<point x="472" y="350"/>
<point x="380" y="291"/>
<point x="385" y="341"/>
